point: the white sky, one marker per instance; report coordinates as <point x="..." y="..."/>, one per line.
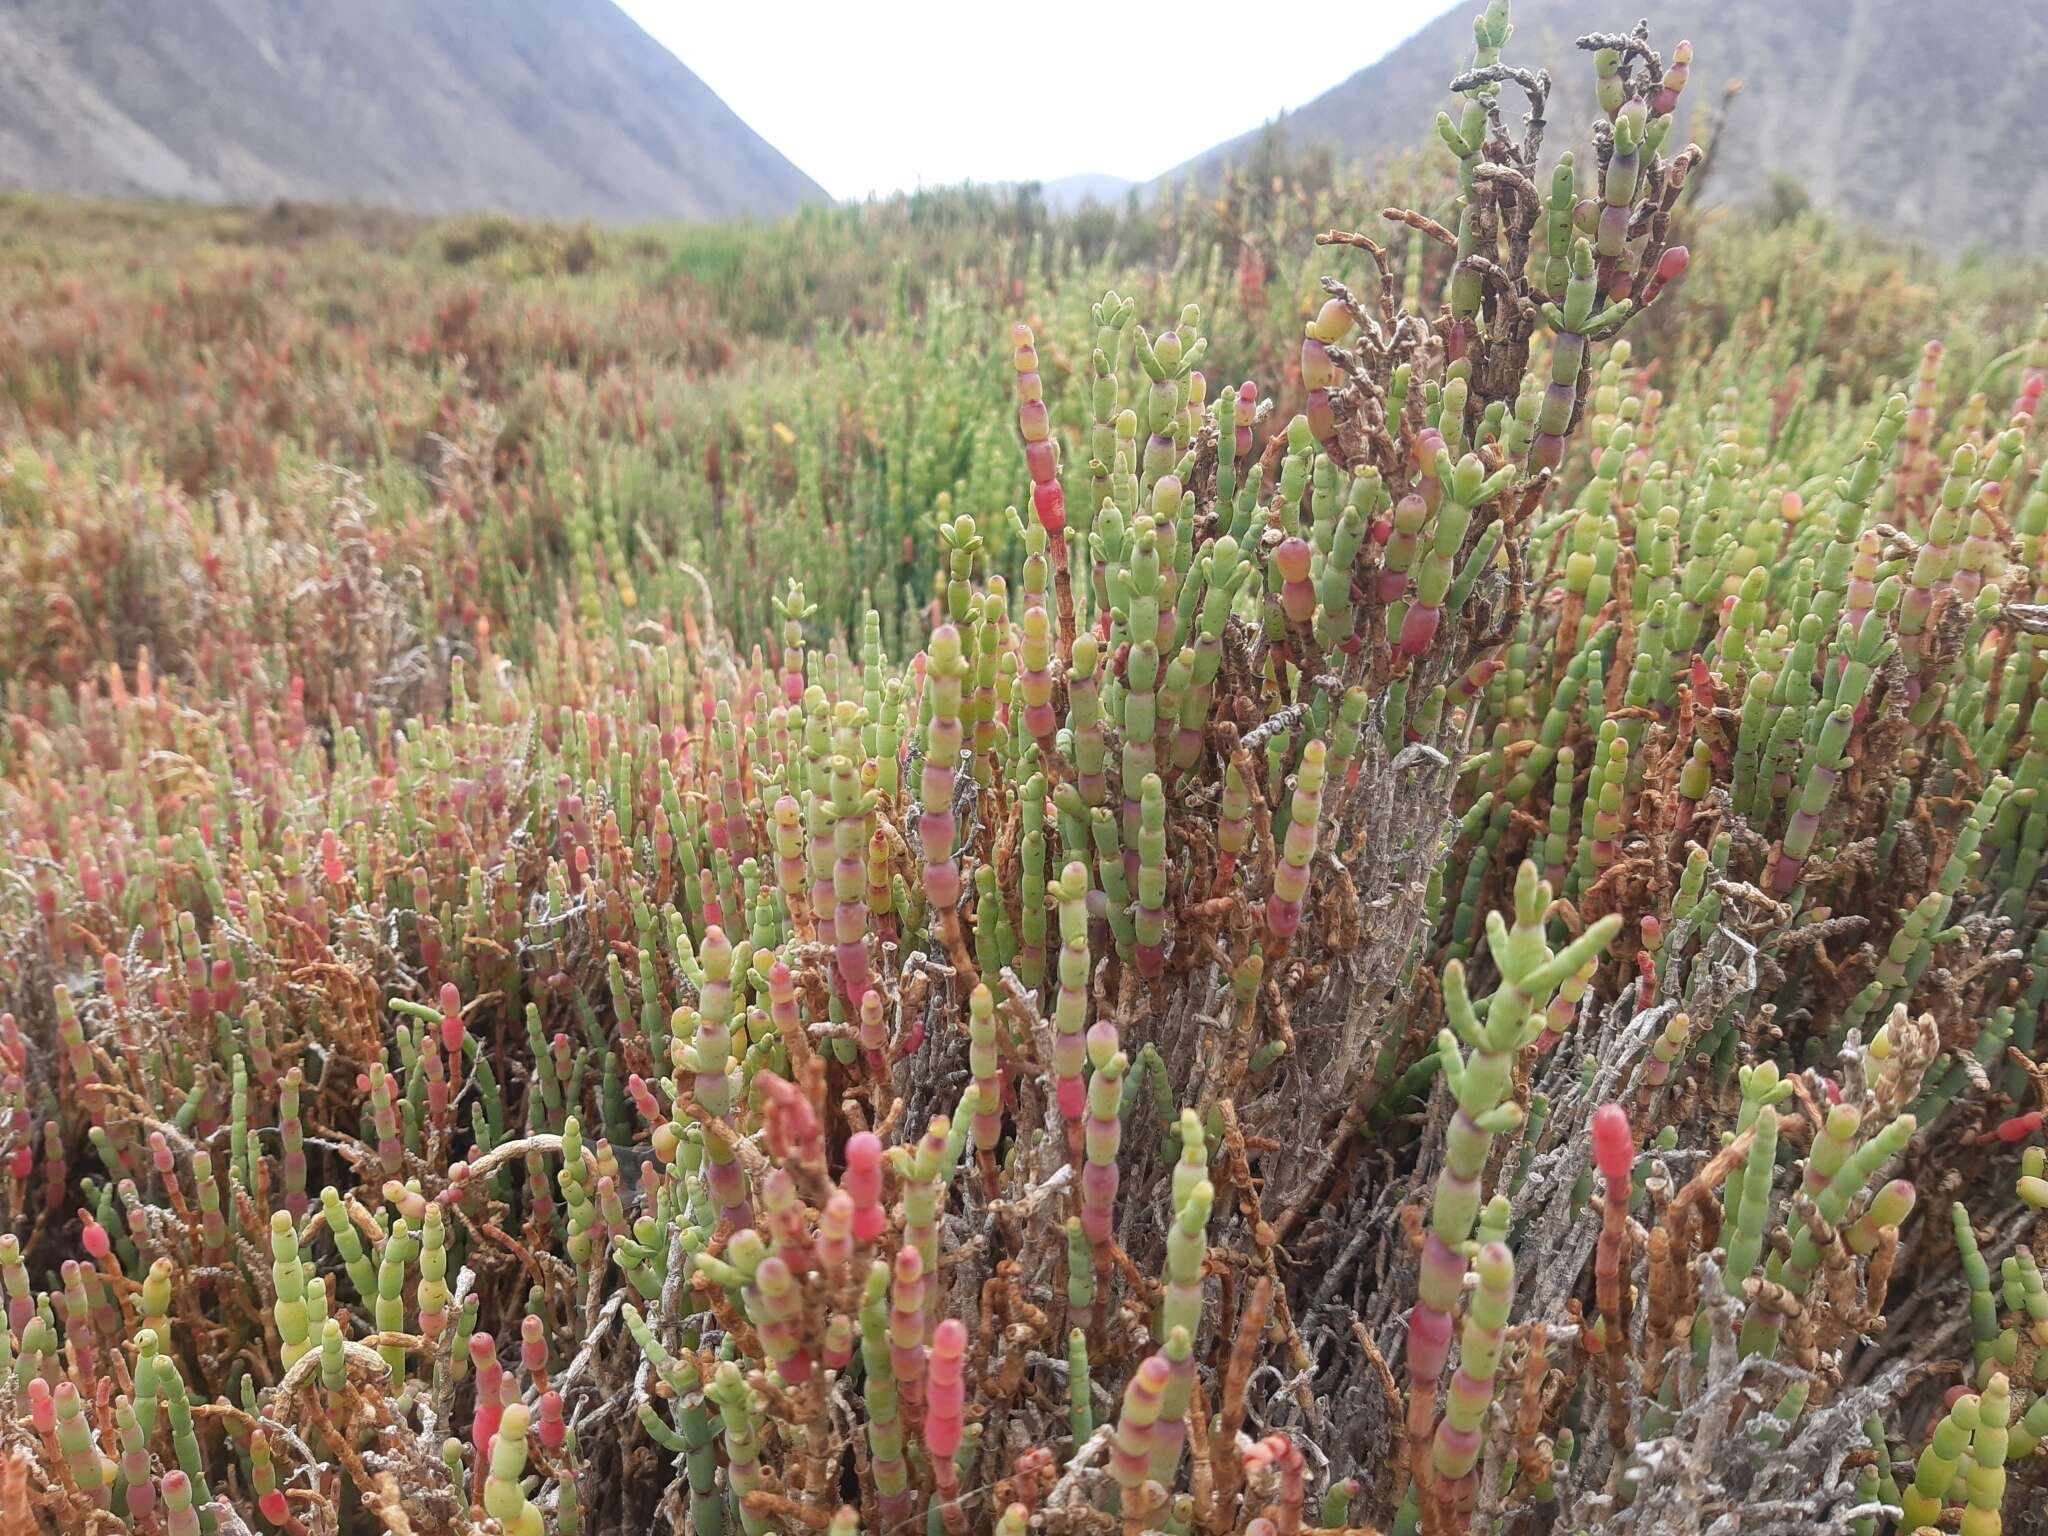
<point x="888" y="95"/>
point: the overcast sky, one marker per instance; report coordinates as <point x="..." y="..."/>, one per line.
<point x="891" y="94"/>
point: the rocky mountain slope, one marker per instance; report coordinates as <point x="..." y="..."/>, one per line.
<point x="550" y="108"/>
<point x="1921" y="116"/>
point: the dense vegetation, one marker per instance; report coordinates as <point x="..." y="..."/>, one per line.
<point x="815" y="878"/>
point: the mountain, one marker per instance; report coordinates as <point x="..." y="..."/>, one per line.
<point x="1063" y="194"/>
<point x="1916" y="116"/>
<point x="548" y="108"/>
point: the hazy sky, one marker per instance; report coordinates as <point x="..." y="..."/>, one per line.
<point x="890" y="94"/>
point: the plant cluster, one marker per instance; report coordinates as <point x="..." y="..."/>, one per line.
<point x="1465" y="957"/>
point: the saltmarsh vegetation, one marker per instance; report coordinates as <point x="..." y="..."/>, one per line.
<point x="1449" y="943"/>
